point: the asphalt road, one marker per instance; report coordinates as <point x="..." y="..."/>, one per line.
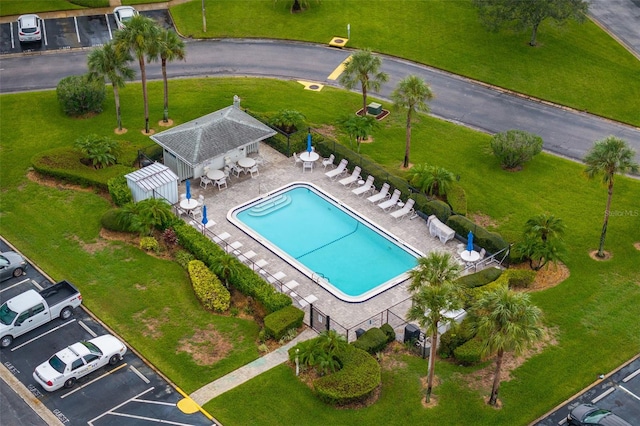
<point x="620" y="17"/>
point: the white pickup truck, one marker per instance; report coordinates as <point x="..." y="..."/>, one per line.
<point x="32" y="309"/>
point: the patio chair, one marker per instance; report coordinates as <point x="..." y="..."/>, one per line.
<point x="355" y="176"/>
<point x="382" y="195"/>
<point x="278" y="276"/>
<point x="183" y="196"/>
<point x="367" y="187"/>
<point x="196" y="213"/>
<point x="257" y="266"/>
<point x="205" y="181"/>
<point x="221" y="182"/>
<point x="254" y="171"/>
<point x="307" y="165"/>
<point x="408" y="208"/>
<point x="338" y="170"/>
<point x="233" y="248"/>
<point x="221" y="238"/>
<point x="307" y="300"/>
<point x="246" y="257"/>
<point x="386" y="205"/>
<point x="200" y="200"/>
<point x="236" y="170"/>
<point x="483" y="252"/>
<point x="296" y="159"/>
<point x="328" y="161"/>
<point x="290" y="286"/>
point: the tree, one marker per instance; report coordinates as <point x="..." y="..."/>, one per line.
<point x="434" y="291"/>
<point x="145" y="215"/>
<point x="432" y="180"/>
<point x="513" y="148"/>
<point x="139" y="36"/>
<point x="411" y="93"/>
<point x="506" y="321"/>
<point x="226" y="267"/>
<point x="106" y="63"/>
<point x="79" y="95"/>
<point x="288" y="120"/>
<point x="359" y="127"/>
<point x="529" y="13"/>
<point x="363" y="68"/>
<point x="609" y="157"/>
<point x="169" y="47"/>
<point x="99" y="150"/>
<point x="542" y="242"/>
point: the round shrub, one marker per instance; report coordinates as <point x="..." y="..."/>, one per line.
<point x="149" y="244"/>
<point x="110" y="221"/>
<point x="373" y="340"/>
<point x="469" y="353"/>
<point x="389" y="331"/>
<point x="78" y="95"/>
<point x="513" y="148"/>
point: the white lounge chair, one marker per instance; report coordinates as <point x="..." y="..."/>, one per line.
<point x="328" y="161"/>
<point x="367" y="187"/>
<point x="355" y="175"/>
<point x="246" y="257"/>
<point x="382" y="195"/>
<point x="386" y="205"/>
<point x="408" y="208"/>
<point x="290" y="286"/>
<point x="233" y="247"/>
<point x="259" y="265"/>
<point x="338" y="170"/>
<point x="278" y="276"/>
<point x="307" y="300"/>
<point x="222" y="237"/>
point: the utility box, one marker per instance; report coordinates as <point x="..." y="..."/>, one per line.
<point x="359" y="332"/>
<point x="374" y="108"/>
<point x="411" y="333"/>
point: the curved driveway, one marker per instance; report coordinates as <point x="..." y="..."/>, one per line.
<point x="565" y="132"/>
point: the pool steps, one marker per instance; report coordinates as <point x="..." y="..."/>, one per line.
<point x="270" y="205"/>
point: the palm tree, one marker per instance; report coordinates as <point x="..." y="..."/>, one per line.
<point x="226" y="267"/>
<point x="140" y="37"/>
<point x="506" y="321"/>
<point x="359" y="127"/>
<point x="434" y="292"/>
<point x="411" y="93"/>
<point x="363" y="68"/>
<point x="107" y="63"/>
<point x="542" y="242"/>
<point x="544" y="227"/>
<point x="288" y="120"/>
<point x="608" y="157"/>
<point x="169" y="48"/>
<point x="432" y="180"/>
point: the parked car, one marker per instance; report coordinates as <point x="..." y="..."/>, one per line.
<point x="68" y="365"/>
<point x="29" y="28"/>
<point x="31" y="309"/>
<point x="589" y="414"/>
<point x="11" y="265"/>
<point x="123" y="14"/>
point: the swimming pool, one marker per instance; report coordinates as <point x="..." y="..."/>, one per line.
<point x="348" y="255"/>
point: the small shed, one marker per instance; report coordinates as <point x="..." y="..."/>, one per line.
<point x="211" y="141"/>
<point x="153" y="181"/>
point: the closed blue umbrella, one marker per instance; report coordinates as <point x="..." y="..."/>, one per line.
<point x="309" y="149"/>
<point x="204" y="217"/>
<point x="470" y="241"/>
<point x="188" y="184"/>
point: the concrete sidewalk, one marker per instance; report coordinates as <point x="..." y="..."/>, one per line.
<point x="249" y="371"/>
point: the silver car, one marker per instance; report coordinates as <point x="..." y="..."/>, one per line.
<point x="124" y="14"/>
<point x="11" y="265"/>
<point x="29" y="28"/>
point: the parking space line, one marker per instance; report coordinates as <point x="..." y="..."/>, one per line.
<point x="602" y="395"/>
<point x="631" y="376"/>
<point x="13" y="41"/>
<point x="151" y="419"/>
<point x="43" y="334"/>
<point x="38" y="286"/>
<point x="16" y="284"/>
<point x="75" y="21"/>
<point x="106" y="16"/>
<point x="629" y="392"/>
<point x="86" y="327"/>
<point x="139" y="374"/>
<point x="148" y="401"/>
<point x="339" y="69"/>
<point x="44" y="31"/>
<point x="90" y="422"/>
<point x="563" y="421"/>
<point x="94" y="380"/>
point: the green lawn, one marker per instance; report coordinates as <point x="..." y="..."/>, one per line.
<point x="595" y="312"/>
<point x="575" y="65"/>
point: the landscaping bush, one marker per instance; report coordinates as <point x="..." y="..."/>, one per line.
<point x="479" y="278"/>
<point x="78" y="95"/>
<point x="109" y="221"/>
<point x="278" y="323"/>
<point x="457" y="199"/>
<point x="490" y="241"/>
<point x="246" y="281"/>
<point x="373" y="340"/>
<point x="520" y="278"/>
<point x="119" y="191"/>
<point x="149" y="244"/>
<point x="469" y="353"/>
<point x="208" y="288"/>
<point x="389" y="331"/>
<point x="355" y="382"/>
<point x="456" y="336"/>
<point x="439" y="208"/>
<point x="476" y="293"/>
<point x="513" y="148"/>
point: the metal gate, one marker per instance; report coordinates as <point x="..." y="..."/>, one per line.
<point x="318" y="320"/>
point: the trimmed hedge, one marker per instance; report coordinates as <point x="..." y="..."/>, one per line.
<point x="373" y="340"/>
<point x="520" y="278"/>
<point x="355" y="382"/>
<point x="480" y="278"/>
<point x="208" y="288"/>
<point x="109" y="221"/>
<point x="246" y="281"/>
<point x="457" y="198"/>
<point x="477" y="292"/>
<point x="278" y="323"/>
<point x="389" y="331"/>
<point x="119" y="191"/>
<point x="455" y="337"/>
<point x="490" y="241"/>
<point x="469" y="353"/>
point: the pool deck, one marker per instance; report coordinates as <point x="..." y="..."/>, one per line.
<point x="277" y="171"/>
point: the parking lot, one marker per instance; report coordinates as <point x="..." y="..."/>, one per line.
<point x="71" y="32"/>
<point x="618" y="392"/>
<point x="130" y="392"/>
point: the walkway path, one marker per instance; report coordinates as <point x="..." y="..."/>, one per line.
<point x="249" y="371"/>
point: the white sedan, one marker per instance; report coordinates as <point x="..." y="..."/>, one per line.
<point x="123" y="14"/>
<point x="78" y="360"/>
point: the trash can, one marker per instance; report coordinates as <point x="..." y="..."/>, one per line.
<point x="411" y="333"/>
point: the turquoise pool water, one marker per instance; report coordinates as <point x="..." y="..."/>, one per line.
<point x="323" y="238"/>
